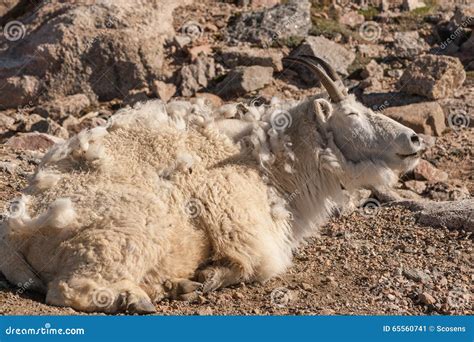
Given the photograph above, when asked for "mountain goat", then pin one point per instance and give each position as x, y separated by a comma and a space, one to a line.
161, 204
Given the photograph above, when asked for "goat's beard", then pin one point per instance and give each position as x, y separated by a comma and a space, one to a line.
368, 174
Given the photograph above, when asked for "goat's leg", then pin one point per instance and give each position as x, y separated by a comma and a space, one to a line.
183, 289
17, 270
82, 293
216, 277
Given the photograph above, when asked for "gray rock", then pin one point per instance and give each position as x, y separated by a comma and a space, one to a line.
468, 45
409, 44
416, 275
450, 214
258, 3
33, 141
335, 54
63, 107
416, 186
372, 69
8, 167
242, 80
163, 91
6, 123
292, 19
426, 298
102, 49
410, 5
182, 40
234, 56
449, 190
18, 91
351, 19
48, 126
434, 77
424, 117
463, 16
7, 5
196, 76
428, 172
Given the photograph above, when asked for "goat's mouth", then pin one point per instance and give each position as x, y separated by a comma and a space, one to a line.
411, 155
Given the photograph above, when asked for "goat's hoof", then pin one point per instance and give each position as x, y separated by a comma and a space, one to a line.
142, 307
211, 279
188, 286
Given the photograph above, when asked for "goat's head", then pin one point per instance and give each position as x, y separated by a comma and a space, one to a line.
361, 136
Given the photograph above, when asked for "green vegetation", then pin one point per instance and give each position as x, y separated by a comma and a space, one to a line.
414, 19
291, 42
369, 13
330, 28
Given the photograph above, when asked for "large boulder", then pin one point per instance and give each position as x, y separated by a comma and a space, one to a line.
449, 214
428, 172
434, 77
236, 55
33, 141
242, 80
290, 19
197, 75
409, 44
7, 5
424, 117
337, 55
103, 49
18, 91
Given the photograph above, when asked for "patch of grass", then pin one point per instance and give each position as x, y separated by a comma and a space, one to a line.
413, 20
470, 75
424, 11
329, 28
369, 13
291, 42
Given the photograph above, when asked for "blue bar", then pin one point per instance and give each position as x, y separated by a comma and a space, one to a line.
239, 328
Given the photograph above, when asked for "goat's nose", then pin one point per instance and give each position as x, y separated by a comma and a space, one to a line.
415, 140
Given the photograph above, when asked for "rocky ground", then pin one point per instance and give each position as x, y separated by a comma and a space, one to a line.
65, 67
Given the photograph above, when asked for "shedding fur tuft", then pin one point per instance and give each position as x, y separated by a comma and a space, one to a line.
60, 214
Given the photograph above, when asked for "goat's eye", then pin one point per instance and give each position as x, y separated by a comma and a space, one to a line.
352, 113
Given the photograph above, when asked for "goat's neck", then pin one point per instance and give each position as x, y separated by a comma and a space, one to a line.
311, 191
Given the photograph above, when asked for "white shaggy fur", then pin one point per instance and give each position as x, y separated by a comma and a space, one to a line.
166, 199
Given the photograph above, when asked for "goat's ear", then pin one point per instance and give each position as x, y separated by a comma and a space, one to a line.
322, 110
